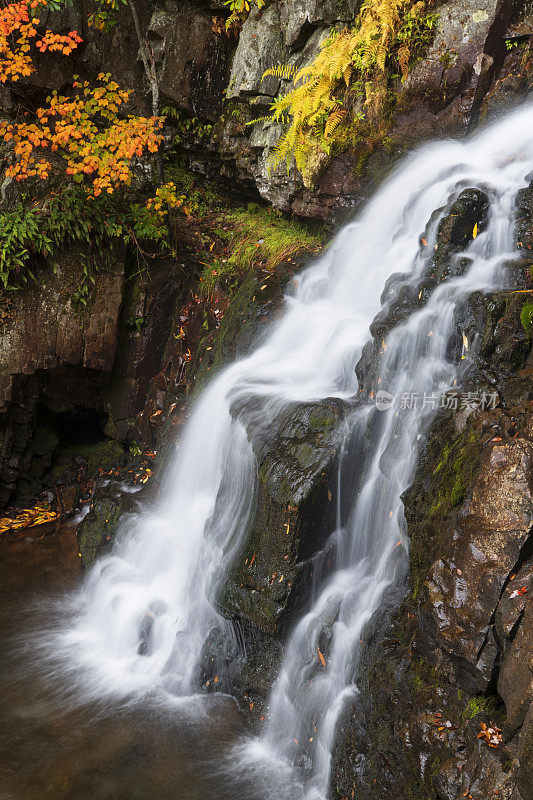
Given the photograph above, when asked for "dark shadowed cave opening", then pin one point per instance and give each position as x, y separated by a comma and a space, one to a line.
52, 435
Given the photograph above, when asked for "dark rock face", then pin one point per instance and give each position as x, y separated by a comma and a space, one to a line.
492, 527
442, 95
46, 332
54, 355
466, 218
192, 59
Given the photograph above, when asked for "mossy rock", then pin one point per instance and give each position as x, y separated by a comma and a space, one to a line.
295, 509
96, 531
250, 310
526, 317
103, 455
443, 476
466, 218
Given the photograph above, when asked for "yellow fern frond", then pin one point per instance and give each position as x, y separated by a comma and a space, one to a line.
320, 107
334, 120
285, 71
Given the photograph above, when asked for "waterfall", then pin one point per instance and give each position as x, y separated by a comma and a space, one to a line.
168, 561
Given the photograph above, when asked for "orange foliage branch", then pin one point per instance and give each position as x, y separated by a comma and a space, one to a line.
93, 143
86, 131
18, 27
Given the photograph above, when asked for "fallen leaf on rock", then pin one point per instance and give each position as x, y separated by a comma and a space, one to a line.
490, 734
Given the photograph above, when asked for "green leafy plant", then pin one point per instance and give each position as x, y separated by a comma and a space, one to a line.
136, 323
240, 9
187, 125
30, 232
83, 294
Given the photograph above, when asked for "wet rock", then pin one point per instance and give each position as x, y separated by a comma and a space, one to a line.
515, 681
490, 531
257, 302
260, 48
466, 218
245, 662
493, 327
512, 604
147, 318
525, 750
443, 90
146, 626
456, 653
441, 96
192, 58
294, 510
96, 531
298, 17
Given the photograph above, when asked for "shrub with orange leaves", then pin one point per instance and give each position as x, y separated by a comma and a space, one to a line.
95, 144
18, 27
83, 134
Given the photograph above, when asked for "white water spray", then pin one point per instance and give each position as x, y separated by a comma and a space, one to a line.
167, 564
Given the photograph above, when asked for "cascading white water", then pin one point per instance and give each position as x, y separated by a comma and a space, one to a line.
168, 561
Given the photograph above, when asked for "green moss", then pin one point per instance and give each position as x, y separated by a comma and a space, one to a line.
478, 705
101, 455
322, 420
526, 317
458, 492
457, 461
257, 237
97, 529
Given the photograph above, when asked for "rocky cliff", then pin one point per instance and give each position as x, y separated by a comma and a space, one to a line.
452, 650
212, 87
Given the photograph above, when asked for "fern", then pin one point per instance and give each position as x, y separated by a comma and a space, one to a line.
28, 233
333, 122
285, 71
341, 97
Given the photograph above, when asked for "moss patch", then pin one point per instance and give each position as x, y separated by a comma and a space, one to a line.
257, 237
439, 487
526, 317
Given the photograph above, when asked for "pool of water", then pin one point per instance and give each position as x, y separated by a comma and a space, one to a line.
53, 747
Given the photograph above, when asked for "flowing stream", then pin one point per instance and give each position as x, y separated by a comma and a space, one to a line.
171, 558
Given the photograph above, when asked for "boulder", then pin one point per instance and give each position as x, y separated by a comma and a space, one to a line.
295, 511
96, 531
